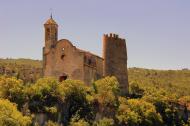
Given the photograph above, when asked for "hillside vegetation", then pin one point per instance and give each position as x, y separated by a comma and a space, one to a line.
156, 98
174, 81
22, 61
26, 69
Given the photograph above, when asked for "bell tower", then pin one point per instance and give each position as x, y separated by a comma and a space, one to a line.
51, 33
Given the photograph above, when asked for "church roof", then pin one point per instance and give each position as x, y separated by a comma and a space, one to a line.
87, 53
51, 21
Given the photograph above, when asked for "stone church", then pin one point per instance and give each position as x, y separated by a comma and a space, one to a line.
61, 59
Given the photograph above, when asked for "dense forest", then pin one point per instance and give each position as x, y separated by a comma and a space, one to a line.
156, 98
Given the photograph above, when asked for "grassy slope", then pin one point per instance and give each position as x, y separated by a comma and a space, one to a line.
26, 62
174, 81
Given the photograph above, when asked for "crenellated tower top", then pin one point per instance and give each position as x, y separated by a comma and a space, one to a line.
115, 59
112, 36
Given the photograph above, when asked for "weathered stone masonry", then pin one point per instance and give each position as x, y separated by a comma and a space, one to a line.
64, 61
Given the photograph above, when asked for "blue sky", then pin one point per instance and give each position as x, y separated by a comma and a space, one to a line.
157, 31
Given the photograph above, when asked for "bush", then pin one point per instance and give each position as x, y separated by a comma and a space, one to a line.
12, 89
138, 112
104, 122
10, 116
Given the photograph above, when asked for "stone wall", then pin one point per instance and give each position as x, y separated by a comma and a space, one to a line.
93, 66
66, 60
115, 60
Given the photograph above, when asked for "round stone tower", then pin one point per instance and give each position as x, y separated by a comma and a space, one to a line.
115, 60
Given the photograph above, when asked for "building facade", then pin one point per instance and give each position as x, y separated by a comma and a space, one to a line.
61, 59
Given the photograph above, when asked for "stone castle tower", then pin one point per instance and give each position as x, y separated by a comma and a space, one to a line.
115, 59
64, 61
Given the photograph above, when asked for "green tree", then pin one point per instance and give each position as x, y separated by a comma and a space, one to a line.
74, 95
12, 89
77, 121
106, 93
104, 122
50, 123
164, 103
138, 112
10, 116
125, 115
42, 97
136, 91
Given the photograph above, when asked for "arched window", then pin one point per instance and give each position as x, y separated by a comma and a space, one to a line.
55, 35
89, 61
48, 33
47, 30
62, 56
